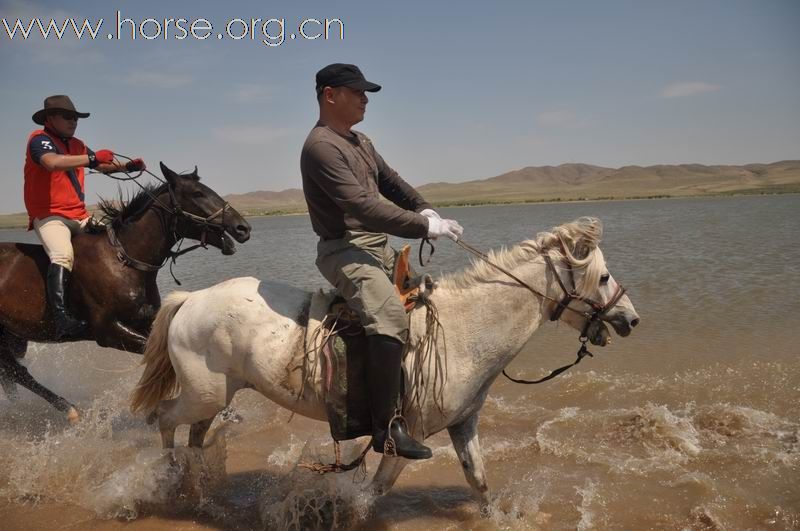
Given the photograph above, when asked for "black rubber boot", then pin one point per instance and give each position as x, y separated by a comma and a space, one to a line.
57, 284
383, 369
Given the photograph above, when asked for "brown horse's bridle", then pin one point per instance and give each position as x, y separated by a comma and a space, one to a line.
175, 212
206, 222
598, 311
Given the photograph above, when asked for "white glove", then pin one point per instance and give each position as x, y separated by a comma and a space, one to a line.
430, 213
444, 227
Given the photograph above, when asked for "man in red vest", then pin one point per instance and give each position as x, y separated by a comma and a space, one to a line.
54, 196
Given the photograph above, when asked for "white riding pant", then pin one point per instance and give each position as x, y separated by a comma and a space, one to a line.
55, 233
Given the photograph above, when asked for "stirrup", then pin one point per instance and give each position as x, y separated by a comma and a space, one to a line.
389, 446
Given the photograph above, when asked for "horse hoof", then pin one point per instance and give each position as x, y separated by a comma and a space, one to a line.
73, 416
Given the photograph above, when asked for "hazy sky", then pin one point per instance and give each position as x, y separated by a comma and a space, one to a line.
471, 89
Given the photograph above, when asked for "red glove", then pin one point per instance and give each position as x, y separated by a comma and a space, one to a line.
135, 165
104, 156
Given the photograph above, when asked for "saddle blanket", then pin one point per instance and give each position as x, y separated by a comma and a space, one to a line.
343, 356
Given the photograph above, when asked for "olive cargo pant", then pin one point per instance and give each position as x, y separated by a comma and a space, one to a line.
360, 266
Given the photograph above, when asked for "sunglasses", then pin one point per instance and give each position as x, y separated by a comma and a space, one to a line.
67, 115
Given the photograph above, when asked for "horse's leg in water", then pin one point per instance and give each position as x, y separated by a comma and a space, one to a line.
166, 425
202, 396
10, 369
9, 388
468, 448
14, 347
197, 433
390, 468
388, 471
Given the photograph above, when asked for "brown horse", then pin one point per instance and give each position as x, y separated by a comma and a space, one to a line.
113, 283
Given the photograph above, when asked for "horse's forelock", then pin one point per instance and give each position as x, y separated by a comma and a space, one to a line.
573, 241
577, 243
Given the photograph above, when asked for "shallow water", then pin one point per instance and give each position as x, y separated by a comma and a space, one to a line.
690, 423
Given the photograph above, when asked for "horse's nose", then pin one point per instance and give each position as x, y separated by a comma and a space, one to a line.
634, 322
242, 232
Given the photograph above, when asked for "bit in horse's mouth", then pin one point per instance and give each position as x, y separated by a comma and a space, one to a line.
599, 334
228, 246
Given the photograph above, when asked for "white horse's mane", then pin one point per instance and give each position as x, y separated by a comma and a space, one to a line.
575, 242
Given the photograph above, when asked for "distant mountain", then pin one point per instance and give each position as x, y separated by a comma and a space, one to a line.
576, 181
264, 202
567, 182
583, 181
571, 174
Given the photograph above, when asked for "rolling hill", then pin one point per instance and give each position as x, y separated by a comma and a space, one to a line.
567, 182
583, 181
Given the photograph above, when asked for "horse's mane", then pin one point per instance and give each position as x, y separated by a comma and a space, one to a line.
575, 242
121, 211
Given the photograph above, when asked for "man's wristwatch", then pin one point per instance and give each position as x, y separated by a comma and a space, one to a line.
92, 160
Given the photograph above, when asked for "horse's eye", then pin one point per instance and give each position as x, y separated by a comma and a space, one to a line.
198, 194
604, 278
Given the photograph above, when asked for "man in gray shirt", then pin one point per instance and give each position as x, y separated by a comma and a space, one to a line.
344, 178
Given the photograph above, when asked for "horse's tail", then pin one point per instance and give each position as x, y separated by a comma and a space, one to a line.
158, 380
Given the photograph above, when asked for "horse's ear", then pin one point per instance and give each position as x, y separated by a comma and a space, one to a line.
169, 175
194, 174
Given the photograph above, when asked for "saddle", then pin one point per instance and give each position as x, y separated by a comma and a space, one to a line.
336, 334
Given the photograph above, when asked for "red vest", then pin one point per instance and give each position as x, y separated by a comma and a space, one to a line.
52, 193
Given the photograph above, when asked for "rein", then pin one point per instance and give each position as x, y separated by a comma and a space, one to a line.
175, 212
127, 259
485, 258
598, 314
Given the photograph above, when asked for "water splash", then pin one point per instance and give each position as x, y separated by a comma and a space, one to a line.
55, 463
590, 498
109, 465
305, 500
180, 479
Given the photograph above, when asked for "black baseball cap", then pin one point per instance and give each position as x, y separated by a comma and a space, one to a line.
344, 75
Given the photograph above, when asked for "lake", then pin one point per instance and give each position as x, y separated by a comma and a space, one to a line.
691, 422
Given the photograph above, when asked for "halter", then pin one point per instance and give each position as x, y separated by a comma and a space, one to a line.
599, 311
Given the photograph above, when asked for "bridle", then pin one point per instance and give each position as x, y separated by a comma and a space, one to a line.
175, 213
175, 210
599, 312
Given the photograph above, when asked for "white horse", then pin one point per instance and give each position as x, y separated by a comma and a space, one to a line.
208, 344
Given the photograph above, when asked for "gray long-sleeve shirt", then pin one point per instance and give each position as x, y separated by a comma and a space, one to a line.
343, 179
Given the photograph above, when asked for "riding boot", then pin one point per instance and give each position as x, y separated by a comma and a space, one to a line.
57, 288
384, 374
